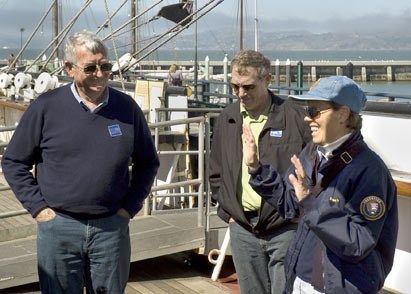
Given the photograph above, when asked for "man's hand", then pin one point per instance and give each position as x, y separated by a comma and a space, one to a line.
45, 215
124, 213
249, 147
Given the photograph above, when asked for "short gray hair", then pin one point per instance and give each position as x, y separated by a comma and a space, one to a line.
83, 38
251, 58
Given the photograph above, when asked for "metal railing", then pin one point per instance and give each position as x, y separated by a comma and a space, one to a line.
200, 182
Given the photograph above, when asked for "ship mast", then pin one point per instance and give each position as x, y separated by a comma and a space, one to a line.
56, 27
133, 25
241, 8
241, 25
255, 26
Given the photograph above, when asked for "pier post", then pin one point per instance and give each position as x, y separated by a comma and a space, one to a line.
363, 74
288, 75
225, 66
277, 72
299, 77
313, 74
338, 71
207, 68
390, 74
350, 70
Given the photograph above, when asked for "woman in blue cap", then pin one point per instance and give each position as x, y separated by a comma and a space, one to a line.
342, 192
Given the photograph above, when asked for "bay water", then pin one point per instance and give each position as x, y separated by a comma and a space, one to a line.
396, 87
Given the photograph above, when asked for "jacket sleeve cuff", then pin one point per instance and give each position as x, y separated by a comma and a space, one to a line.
255, 171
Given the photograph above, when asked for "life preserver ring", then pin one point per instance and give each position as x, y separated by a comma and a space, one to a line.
45, 82
5, 80
22, 80
123, 62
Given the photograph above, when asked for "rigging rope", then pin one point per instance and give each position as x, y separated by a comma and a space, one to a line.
114, 45
177, 29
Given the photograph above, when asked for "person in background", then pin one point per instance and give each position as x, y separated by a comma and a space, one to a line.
175, 77
341, 190
11, 61
259, 236
81, 139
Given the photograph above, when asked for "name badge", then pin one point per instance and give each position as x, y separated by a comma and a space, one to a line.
114, 130
276, 133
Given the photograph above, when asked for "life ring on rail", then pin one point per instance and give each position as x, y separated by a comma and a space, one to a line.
6, 80
122, 63
45, 82
22, 80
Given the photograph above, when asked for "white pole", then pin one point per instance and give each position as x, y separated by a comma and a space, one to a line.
225, 71
207, 68
221, 256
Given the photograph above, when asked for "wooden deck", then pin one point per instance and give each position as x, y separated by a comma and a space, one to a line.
151, 236
180, 273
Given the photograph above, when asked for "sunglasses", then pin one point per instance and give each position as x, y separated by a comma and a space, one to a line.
246, 88
90, 69
313, 112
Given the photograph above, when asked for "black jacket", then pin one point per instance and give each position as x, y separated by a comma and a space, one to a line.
226, 157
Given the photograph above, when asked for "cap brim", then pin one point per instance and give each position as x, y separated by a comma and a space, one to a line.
308, 97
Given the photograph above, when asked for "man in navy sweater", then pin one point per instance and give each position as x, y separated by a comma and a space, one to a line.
81, 139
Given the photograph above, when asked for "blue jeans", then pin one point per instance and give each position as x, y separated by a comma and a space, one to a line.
76, 253
259, 260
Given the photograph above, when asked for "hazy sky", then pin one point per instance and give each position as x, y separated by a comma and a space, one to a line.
319, 9
274, 15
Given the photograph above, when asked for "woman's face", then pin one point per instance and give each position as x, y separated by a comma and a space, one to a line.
328, 124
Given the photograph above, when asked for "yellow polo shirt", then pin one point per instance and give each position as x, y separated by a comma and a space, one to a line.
250, 200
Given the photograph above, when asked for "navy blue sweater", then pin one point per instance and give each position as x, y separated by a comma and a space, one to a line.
81, 157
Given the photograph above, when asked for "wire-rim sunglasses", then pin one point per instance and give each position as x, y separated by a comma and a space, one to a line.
90, 69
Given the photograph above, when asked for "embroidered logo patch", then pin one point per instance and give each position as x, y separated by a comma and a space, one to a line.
372, 208
276, 133
114, 130
334, 200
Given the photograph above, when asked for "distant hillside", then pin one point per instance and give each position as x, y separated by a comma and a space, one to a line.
300, 41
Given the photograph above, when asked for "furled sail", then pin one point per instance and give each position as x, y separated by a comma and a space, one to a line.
177, 12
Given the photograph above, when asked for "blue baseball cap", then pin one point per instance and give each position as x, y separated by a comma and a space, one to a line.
338, 89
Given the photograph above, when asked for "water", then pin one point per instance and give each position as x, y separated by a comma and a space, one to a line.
397, 87
282, 55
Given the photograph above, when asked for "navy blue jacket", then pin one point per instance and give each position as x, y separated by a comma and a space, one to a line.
353, 221
82, 158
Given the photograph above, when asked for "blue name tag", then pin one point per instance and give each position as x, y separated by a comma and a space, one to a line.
276, 133
114, 130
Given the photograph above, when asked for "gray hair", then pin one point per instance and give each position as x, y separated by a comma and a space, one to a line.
251, 58
83, 38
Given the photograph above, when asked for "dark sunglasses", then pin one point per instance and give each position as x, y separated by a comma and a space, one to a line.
246, 88
313, 111
90, 69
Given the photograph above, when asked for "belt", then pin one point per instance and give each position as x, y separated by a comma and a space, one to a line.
249, 214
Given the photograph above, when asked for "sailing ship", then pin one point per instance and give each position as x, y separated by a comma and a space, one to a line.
179, 214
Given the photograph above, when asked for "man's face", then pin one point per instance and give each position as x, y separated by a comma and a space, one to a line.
90, 84
251, 90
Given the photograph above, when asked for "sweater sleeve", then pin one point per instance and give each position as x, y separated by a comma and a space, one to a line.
20, 156
145, 163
